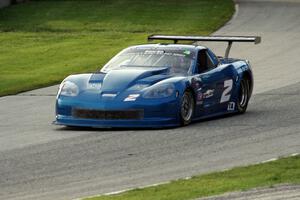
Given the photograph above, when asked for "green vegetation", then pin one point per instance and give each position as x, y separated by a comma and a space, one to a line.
285, 170
43, 41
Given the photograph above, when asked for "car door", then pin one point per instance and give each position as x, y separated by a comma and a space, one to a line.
216, 85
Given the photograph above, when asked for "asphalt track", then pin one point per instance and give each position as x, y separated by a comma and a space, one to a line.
42, 161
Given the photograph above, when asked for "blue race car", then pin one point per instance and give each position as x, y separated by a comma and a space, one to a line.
158, 85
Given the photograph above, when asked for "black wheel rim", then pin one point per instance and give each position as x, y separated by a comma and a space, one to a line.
187, 107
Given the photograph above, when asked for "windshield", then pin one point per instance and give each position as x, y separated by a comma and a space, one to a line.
178, 61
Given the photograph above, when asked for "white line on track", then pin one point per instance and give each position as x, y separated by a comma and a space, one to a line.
236, 6
269, 160
166, 182
129, 189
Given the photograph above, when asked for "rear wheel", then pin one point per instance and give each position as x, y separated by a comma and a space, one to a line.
243, 96
187, 108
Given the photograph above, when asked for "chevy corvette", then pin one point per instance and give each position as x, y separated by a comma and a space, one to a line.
158, 85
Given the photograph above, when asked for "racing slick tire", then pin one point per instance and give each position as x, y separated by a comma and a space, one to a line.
243, 96
187, 108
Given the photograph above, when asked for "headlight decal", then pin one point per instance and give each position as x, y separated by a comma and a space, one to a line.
139, 86
69, 89
160, 91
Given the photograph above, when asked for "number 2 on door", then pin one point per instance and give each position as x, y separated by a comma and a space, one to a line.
227, 91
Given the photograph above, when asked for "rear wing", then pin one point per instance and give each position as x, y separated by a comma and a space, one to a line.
229, 39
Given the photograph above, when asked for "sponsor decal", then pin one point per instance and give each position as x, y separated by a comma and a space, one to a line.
231, 106
208, 94
206, 105
196, 83
187, 52
178, 55
153, 52
132, 97
199, 98
109, 95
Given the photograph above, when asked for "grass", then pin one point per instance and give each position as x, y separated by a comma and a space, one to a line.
284, 170
43, 41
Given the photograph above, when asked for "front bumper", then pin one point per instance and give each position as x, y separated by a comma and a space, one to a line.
145, 123
154, 113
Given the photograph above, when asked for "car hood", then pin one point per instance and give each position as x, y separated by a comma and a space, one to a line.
121, 79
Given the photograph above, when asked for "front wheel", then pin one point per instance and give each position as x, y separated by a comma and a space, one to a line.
187, 108
243, 96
